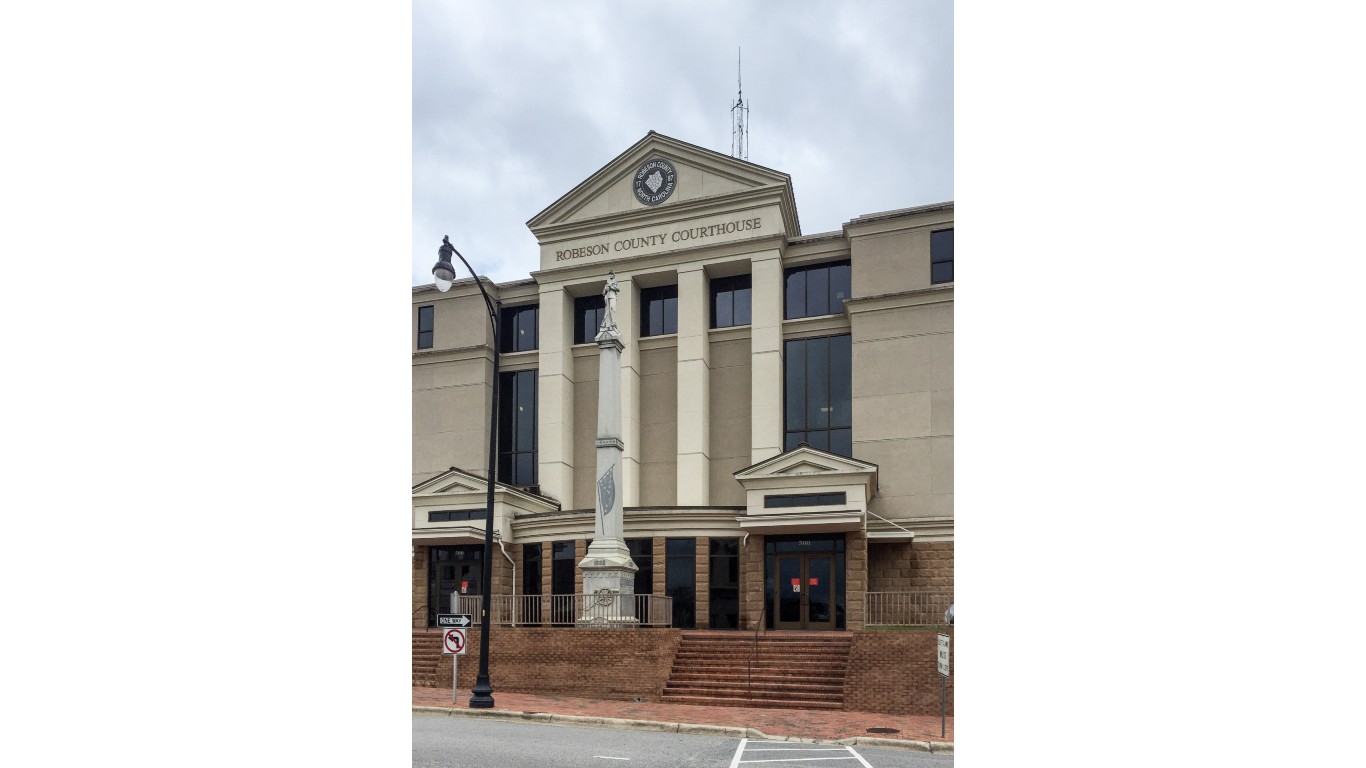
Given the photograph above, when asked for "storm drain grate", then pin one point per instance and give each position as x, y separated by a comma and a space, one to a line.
883, 730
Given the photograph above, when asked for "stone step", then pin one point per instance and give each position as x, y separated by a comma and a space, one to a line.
731, 701
740, 677
831, 691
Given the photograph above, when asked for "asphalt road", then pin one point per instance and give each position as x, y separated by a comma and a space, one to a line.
440, 741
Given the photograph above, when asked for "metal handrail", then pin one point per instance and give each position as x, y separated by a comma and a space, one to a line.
913, 608
754, 650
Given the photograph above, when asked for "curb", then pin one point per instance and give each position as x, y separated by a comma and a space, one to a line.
936, 747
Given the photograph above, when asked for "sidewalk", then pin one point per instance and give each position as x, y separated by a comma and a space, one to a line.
917, 732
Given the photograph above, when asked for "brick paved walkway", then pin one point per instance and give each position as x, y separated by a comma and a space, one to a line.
802, 723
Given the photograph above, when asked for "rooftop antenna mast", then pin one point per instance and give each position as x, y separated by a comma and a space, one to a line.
739, 118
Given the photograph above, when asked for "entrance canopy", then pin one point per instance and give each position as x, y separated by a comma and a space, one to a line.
807, 491
449, 509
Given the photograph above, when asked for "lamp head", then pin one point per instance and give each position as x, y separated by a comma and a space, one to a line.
443, 274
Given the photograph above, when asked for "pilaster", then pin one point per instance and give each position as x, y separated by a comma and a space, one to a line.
555, 409
694, 380
628, 325
766, 364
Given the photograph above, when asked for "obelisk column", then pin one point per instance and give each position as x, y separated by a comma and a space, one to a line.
608, 571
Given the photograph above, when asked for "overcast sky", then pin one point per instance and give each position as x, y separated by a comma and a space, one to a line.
514, 103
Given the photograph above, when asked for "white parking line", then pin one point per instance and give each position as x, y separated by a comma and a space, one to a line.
744, 743
605, 757
739, 750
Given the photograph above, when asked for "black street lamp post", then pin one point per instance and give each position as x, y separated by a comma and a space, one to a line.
444, 275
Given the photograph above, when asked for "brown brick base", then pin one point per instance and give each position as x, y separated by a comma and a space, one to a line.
894, 671
616, 664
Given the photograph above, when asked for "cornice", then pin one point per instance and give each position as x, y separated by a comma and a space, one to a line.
628, 265
457, 354
937, 294
729, 204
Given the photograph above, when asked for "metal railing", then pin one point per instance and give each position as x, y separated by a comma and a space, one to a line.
906, 609
618, 610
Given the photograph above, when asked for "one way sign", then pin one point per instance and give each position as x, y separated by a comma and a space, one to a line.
453, 620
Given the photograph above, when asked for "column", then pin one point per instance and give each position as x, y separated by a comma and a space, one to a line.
555, 396
694, 380
766, 361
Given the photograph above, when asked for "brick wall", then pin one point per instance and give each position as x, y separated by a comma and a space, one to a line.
894, 672
615, 664
419, 587
906, 567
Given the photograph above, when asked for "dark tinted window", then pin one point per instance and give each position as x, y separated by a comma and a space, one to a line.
659, 310
562, 560
643, 555
517, 428
941, 256
817, 290
531, 569
803, 500
424, 327
587, 318
724, 590
455, 515
730, 301
817, 394
680, 580
518, 331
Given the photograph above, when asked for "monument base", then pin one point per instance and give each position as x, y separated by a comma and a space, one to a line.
609, 580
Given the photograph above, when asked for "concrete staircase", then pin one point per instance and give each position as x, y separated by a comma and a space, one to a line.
426, 655
793, 670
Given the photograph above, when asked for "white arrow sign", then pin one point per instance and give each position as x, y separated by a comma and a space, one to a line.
454, 620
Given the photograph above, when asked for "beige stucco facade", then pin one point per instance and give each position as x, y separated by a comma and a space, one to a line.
703, 409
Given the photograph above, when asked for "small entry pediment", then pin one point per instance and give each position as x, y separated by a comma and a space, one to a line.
805, 460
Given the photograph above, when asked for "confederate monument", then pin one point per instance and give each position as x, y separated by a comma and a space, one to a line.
608, 572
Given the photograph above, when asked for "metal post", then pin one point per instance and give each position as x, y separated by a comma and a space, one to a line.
482, 691
943, 685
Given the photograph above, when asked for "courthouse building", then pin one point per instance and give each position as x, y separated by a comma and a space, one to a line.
787, 403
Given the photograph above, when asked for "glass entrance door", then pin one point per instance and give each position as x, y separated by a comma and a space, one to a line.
804, 596
453, 569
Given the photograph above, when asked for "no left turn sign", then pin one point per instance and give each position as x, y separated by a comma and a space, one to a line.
453, 641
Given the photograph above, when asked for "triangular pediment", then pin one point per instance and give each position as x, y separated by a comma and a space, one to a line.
805, 460
458, 483
452, 481
702, 176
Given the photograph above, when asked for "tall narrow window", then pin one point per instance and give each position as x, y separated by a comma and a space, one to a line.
817, 394
531, 583
680, 580
817, 290
517, 428
424, 327
643, 555
724, 591
517, 332
730, 301
659, 310
941, 256
587, 318
562, 583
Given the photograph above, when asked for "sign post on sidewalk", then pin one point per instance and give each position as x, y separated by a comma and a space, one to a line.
943, 664
453, 628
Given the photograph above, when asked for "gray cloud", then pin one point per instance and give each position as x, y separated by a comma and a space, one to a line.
514, 103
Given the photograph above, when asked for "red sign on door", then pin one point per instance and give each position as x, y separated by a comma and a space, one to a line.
813, 582
464, 587
796, 585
